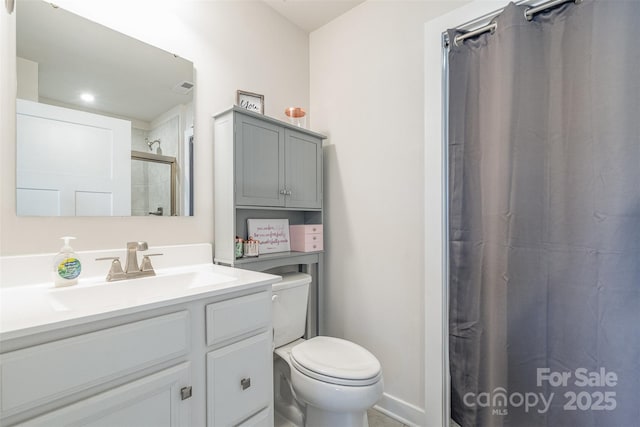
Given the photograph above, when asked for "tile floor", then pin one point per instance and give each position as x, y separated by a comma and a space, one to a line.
378, 419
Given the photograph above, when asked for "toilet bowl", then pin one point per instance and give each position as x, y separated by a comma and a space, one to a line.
323, 381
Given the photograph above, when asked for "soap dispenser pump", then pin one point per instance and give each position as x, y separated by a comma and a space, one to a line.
66, 265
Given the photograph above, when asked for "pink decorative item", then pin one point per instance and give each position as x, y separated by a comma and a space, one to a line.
306, 238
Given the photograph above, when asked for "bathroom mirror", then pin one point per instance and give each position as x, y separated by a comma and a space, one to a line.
104, 121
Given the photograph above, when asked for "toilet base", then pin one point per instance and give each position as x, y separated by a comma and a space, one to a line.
286, 407
316, 417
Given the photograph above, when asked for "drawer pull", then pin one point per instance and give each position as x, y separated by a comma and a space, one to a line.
245, 383
185, 392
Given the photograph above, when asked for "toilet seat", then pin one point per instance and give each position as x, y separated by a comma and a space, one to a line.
336, 361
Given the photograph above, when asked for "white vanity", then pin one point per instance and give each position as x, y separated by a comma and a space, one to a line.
191, 346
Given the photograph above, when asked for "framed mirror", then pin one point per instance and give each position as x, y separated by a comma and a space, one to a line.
99, 115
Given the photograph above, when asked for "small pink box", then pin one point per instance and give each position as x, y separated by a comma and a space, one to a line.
306, 238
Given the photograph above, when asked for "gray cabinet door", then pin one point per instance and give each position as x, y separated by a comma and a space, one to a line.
259, 163
303, 170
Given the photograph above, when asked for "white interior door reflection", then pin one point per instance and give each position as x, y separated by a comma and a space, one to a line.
71, 163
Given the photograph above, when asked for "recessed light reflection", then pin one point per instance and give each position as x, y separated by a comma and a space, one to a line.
87, 97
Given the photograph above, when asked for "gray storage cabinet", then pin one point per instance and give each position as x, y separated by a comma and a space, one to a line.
276, 166
266, 168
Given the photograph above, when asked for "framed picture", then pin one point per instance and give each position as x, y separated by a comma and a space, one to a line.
272, 234
250, 101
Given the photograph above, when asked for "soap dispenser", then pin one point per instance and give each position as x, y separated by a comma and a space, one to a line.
66, 265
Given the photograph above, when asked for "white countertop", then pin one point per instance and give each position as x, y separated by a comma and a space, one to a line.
37, 308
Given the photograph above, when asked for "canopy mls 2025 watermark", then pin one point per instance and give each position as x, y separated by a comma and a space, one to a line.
590, 392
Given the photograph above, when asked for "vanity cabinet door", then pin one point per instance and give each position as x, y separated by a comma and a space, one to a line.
259, 163
41, 374
303, 170
153, 401
239, 381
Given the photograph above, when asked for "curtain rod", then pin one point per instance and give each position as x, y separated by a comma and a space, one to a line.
529, 13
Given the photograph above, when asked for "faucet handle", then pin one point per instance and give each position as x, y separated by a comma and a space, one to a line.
115, 271
146, 263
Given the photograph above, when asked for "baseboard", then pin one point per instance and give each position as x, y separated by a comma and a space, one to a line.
401, 411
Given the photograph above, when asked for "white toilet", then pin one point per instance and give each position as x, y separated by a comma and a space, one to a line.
323, 381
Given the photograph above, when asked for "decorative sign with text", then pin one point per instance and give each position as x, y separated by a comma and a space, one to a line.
273, 234
250, 101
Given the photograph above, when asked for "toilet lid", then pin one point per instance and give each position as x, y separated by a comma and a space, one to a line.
336, 361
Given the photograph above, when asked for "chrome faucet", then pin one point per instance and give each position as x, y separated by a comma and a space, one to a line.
131, 269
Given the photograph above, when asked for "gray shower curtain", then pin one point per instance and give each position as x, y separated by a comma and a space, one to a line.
544, 219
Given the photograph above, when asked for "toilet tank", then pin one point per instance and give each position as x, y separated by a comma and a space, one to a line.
290, 307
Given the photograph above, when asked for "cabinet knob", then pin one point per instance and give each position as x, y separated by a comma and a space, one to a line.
283, 192
245, 383
185, 392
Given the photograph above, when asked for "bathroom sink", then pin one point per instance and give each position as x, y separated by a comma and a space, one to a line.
134, 291
30, 304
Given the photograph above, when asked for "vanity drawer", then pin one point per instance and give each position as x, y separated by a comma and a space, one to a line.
46, 372
306, 238
239, 381
238, 316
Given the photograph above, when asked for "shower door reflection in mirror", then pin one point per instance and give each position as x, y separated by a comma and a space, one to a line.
153, 183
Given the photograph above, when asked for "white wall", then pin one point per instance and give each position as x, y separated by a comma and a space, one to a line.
27, 79
367, 95
234, 45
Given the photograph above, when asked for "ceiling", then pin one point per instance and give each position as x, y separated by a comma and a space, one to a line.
69, 64
312, 14
129, 78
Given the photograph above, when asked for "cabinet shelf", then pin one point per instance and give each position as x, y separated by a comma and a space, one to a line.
280, 259
274, 208
271, 120
277, 255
